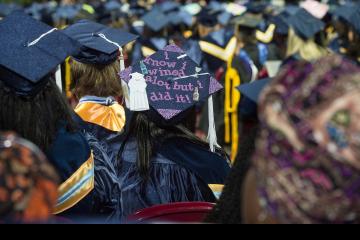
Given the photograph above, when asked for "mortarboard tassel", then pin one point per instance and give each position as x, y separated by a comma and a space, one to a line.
58, 78
125, 88
212, 137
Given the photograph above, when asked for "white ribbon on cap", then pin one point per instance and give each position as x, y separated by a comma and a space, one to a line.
212, 136
124, 85
58, 78
39, 38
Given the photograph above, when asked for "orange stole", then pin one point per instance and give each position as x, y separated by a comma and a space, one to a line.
109, 117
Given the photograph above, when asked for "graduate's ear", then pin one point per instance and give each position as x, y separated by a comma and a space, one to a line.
351, 36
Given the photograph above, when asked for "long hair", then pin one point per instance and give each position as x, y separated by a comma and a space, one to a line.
353, 51
309, 50
150, 135
228, 209
37, 118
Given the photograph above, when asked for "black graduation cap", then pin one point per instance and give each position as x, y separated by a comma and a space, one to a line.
29, 52
156, 20
169, 6
291, 9
181, 17
249, 20
224, 18
67, 12
216, 6
112, 5
253, 90
35, 10
168, 83
99, 42
208, 17
305, 24
256, 7
345, 12
281, 23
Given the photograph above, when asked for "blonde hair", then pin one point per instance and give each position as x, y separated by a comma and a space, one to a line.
308, 49
96, 80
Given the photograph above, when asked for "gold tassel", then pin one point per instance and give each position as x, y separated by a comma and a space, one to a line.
68, 78
232, 99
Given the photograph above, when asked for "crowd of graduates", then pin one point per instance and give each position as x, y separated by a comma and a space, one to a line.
112, 107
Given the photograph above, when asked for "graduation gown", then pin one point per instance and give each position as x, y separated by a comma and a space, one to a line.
72, 158
179, 172
104, 119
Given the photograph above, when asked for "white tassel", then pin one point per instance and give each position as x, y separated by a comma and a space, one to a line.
212, 138
138, 97
124, 85
58, 79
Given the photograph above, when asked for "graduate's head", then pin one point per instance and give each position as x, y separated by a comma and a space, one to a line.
245, 28
163, 89
96, 66
306, 164
28, 182
353, 35
32, 104
156, 23
95, 80
306, 36
207, 22
37, 117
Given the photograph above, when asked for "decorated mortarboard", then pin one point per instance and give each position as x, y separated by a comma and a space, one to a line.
305, 24
100, 44
30, 51
156, 20
254, 89
167, 84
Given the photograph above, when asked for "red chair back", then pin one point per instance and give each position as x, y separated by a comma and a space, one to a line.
187, 212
